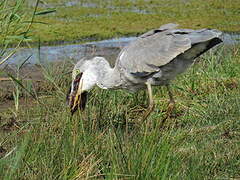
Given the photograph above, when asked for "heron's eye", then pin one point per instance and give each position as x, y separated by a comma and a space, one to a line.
77, 71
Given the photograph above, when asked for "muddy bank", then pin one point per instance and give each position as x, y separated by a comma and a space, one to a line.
31, 76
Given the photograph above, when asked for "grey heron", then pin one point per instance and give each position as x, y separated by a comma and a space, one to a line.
153, 59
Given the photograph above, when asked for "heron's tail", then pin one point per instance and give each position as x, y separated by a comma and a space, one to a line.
202, 41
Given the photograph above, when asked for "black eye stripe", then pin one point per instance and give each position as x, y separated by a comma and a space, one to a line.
70, 97
78, 77
76, 81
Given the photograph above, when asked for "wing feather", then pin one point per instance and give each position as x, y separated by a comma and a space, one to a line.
160, 46
149, 53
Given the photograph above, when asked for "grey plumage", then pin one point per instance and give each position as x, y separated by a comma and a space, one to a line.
160, 54
158, 47
154, 58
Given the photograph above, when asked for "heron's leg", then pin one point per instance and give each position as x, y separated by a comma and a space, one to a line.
151, 102
171, 104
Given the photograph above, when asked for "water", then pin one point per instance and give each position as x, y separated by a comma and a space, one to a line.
107, 48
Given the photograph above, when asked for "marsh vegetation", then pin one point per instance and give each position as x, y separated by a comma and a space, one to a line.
40, 140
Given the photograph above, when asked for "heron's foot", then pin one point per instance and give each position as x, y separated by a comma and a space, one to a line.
169, 113
171, 104
170, 109
148, 112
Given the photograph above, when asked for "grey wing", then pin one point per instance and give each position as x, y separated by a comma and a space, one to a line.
158, 47
151, 50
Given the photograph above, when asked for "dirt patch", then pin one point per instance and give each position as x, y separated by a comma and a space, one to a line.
24, 102
30, 76
10, 125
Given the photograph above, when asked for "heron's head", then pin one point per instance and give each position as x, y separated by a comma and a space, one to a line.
83, 80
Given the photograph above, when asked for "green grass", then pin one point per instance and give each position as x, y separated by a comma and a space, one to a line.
201, 140
117, 18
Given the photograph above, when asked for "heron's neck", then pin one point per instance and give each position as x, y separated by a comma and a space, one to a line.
109, 78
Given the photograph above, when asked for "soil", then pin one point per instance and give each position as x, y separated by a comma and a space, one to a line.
30, 74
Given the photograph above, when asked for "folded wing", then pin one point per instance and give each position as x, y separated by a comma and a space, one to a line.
160, 46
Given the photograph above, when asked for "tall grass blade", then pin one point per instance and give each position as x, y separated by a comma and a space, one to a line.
18, 82
25, 61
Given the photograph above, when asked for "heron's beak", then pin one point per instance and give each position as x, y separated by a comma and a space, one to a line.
75, 97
